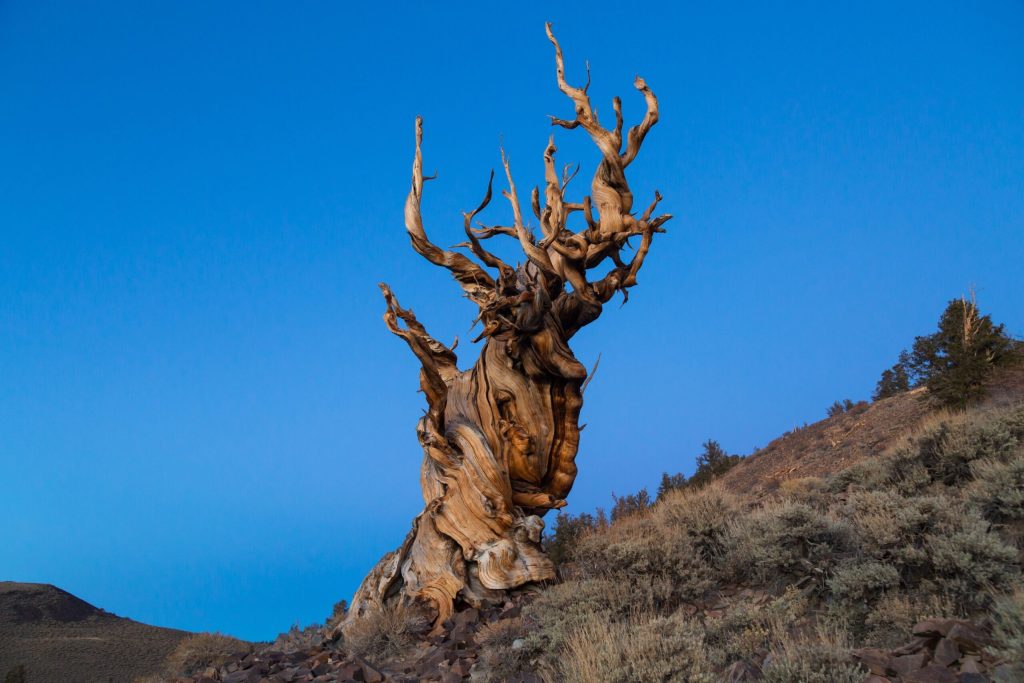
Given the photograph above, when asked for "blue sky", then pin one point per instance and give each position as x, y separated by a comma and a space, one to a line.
203, 421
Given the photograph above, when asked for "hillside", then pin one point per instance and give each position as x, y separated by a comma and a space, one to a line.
867, 430
881, 545
59, 638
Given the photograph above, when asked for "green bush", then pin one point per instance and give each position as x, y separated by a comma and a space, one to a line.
786, 540
662, 566
1008, 630
998, 488
862, 581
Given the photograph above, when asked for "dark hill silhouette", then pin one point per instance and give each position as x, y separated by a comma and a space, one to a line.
58, 637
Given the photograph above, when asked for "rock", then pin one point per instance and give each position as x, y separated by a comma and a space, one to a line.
905, 664
915, 645
946, 652
741, 672
877, 661
969, 665
973, 678
371, 675
518, 644
933, 627
933, 673
970, 638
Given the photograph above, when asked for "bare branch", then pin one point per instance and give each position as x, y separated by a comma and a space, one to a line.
638, 132
475, 281
536, 255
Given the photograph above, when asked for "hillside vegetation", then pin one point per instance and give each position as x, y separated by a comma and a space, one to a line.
789, 587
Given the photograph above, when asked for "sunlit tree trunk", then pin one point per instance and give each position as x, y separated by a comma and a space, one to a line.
500, 439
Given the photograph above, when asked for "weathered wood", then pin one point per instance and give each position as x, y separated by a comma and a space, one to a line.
500, 439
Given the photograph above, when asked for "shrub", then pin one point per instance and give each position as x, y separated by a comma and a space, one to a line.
822, 658
16, 675
197, 652
968, 560
661, 565
894, 381
746, 629
785, 540
956, 361
889, 621
811, 491
381, 634
998, 489
497, 654
561, 608
702, 515
1008, 630
650, 648
630, 504
561, 543
863, 581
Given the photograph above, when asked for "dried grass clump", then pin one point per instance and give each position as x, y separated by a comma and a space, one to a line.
646, 648
382, 634
703, 515
502, 657
746, 630
661, 564
822, 657
560, 609
197, 652
893, 615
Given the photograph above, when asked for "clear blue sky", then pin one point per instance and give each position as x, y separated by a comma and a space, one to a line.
203, 421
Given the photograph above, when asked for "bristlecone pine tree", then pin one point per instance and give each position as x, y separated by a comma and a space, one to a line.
500, 439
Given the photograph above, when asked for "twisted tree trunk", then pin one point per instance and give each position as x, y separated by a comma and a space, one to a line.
500, 439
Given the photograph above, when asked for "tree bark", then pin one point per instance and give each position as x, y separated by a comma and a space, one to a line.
500, 439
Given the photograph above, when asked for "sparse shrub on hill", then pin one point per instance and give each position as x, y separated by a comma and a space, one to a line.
568, 529
670, 482
712, 463
630, 504
955, 361
895, 380
928, 529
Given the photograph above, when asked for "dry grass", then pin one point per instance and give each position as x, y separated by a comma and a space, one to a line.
381, 634
644, 648
201, 650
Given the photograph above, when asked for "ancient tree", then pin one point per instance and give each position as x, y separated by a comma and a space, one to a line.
500, 439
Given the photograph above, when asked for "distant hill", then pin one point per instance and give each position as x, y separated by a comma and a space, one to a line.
59, 638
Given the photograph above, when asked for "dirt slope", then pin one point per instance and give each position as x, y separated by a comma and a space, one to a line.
835, 443
60, 638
